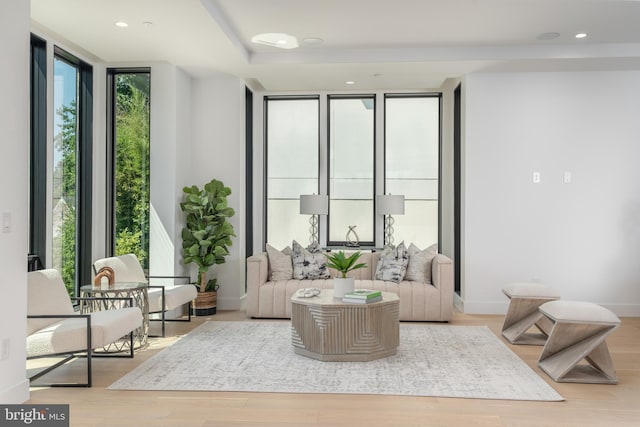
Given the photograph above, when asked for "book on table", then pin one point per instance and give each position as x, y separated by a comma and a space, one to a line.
361, 300
362, 295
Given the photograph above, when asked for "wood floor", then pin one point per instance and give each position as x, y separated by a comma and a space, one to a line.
585, 404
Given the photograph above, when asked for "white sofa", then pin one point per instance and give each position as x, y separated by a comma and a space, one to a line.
418, 301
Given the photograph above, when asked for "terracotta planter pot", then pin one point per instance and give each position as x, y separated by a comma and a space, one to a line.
205, 303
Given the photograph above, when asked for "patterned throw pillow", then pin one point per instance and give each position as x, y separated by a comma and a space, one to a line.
419, 268
392, 264
307, 265
280, 265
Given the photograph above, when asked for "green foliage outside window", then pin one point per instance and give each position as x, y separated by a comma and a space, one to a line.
132, 166
132, 175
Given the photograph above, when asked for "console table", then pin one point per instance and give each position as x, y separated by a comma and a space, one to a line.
327, 329
135, 290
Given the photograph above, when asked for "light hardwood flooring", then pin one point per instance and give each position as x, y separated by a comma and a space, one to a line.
585, 404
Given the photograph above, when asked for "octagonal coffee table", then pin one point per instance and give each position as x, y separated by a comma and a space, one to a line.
327, 329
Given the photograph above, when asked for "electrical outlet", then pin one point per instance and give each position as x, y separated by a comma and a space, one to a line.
566, 178
536, 177
4, 349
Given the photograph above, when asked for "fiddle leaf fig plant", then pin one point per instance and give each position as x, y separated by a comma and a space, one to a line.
207, 233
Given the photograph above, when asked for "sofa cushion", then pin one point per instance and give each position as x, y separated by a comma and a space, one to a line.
307, 265
419, 266
392, 265
280, 264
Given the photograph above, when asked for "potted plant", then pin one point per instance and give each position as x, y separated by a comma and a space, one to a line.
343, 264
206, 237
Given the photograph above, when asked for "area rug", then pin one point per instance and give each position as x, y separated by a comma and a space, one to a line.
257, 356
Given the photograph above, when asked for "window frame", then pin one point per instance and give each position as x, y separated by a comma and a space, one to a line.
330, 97
38, 155
110, 161
84, 162
437, 95
265, 159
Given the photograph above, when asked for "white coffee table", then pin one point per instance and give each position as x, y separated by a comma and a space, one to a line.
327, 329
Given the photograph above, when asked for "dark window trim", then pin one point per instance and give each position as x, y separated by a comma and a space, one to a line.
38, 154
328, 124
84, 165
110, 193
265, 115
248, 136
457, 187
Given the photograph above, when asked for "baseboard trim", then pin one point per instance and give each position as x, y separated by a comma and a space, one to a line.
494, 307
235, 303
16, 394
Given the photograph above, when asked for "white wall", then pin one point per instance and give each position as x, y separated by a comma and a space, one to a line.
168, 139
218, 151
581, 238
14, 190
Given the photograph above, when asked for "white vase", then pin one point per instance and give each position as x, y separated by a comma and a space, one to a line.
342, 285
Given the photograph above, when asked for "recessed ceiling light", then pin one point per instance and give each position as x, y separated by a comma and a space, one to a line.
581, 35
312, 40
349, 82
281, 40
121, 24
548, 36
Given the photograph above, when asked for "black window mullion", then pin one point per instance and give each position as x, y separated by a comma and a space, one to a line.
38, 155
85, 174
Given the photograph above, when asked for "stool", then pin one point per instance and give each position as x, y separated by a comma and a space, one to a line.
525, 298
579, 332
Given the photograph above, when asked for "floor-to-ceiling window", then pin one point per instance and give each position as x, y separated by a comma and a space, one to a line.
354, 166
412, 164
292, 165
70, 202
128, 162
351, 168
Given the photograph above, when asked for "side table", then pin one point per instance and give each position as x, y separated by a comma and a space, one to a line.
135, 290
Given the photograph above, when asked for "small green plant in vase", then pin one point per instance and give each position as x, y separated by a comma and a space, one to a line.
343, 264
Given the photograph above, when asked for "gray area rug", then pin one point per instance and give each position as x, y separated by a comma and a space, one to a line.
432, 360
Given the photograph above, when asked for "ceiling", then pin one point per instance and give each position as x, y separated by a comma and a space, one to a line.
399, 44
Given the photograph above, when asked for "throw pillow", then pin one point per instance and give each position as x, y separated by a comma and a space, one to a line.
392, 264
280, 265
419, 268
307, 265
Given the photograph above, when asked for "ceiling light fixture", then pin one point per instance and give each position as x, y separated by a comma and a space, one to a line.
349, 82
280, 40
581, 35
121, 24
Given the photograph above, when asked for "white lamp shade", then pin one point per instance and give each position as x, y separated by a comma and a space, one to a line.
390, 204
314, 204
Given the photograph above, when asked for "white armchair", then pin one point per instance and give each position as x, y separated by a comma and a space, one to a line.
55, 329
162, 298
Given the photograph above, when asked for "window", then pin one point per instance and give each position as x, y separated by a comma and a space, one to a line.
412, 147
351, 168
349, 165
71, 168
128, 163
292, 169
